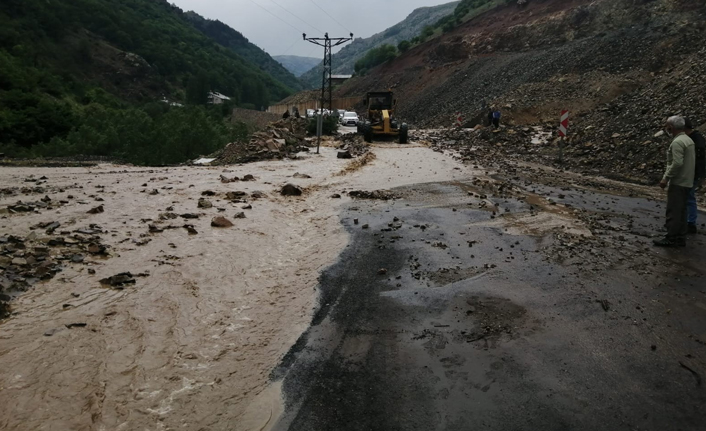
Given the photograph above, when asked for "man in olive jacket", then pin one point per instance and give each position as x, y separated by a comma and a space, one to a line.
679, 177
699, 173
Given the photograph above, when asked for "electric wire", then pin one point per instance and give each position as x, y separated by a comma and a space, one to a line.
295, 16
290, 47
261, 7
334, 19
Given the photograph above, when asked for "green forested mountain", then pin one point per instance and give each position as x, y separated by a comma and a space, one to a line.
234, 40
68, 67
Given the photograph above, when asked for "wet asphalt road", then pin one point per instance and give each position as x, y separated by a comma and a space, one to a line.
471, 328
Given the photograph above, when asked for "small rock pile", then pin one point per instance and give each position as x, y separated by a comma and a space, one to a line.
26, 261
354, 144
280, 139
383, 195
620, 156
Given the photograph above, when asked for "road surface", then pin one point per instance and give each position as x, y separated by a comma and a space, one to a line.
493, 303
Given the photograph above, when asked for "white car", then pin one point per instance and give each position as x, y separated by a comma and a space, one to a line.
349, 119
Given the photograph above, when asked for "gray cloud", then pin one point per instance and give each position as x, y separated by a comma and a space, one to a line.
254, 18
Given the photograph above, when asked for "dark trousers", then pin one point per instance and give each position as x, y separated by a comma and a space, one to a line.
677, 198
496, 122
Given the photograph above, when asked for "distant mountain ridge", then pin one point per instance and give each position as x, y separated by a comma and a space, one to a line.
344, 60
234, 40
297, 65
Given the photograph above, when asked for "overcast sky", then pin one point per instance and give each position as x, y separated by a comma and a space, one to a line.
273, 24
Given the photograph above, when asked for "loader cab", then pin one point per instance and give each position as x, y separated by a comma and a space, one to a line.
380, 101
381, 117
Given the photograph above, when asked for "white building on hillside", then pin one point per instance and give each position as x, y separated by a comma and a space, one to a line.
215, 98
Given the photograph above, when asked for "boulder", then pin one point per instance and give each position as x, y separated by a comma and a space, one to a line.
221, 222
291, 190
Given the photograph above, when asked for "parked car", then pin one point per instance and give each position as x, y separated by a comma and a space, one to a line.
310, 113
341, 112
349, 118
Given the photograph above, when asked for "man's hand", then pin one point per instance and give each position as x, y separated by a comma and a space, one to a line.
663, 183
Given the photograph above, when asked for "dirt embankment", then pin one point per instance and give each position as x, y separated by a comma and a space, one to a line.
610, 63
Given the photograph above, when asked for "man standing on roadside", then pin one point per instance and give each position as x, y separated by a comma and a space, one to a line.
496, 118
699, 173
679, 178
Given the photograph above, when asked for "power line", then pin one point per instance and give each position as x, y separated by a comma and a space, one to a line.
295, 16
261, 7
334, 19
292, 46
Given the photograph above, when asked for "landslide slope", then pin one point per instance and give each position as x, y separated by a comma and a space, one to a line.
619, 66
344, 60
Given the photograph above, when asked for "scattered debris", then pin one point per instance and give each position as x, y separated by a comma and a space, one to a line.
376, 194
281, 139
604, 303
119, 281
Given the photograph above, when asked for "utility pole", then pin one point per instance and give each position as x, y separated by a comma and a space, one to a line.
326, 83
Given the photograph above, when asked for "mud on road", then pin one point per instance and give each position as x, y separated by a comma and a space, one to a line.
517, 298
501, 304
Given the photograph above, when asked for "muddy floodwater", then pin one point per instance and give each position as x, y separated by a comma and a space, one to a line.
445, 296
192, 344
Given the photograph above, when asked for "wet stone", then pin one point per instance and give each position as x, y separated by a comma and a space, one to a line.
119, 281
291, 190
97, 210
222, 222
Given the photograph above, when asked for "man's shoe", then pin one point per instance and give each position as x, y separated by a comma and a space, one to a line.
667, 242
692, 229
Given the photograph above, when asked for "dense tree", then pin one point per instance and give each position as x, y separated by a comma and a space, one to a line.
74, 73
404, 46
375, 57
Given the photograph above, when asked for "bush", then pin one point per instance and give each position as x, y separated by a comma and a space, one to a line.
329, 127
427, 32
375, 57
404, 46
154, 135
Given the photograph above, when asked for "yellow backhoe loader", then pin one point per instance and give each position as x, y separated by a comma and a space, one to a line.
381, 119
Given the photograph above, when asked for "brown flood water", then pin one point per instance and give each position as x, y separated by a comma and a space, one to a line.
192, 345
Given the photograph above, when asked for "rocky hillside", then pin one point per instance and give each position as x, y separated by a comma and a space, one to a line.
620, 66
344, 60
297, 65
